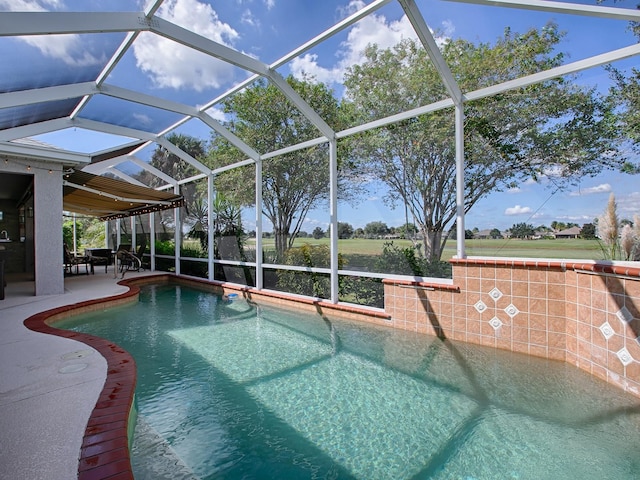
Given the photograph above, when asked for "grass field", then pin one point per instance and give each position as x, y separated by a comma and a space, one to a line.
565, 248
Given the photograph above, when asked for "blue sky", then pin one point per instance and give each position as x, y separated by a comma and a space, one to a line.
268, 29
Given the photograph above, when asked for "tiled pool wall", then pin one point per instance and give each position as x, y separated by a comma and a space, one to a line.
586, 314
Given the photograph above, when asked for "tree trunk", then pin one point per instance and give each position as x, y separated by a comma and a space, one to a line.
432, 240
281, 240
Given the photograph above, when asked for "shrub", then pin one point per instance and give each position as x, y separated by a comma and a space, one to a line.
312, 284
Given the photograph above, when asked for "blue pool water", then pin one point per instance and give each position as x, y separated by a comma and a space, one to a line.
231, 390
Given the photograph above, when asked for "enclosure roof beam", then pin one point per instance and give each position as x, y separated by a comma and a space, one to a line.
560, 71
58, 23
46, 94
34, 129
426, 38
224, 53
162, 141
209, 47
559, 7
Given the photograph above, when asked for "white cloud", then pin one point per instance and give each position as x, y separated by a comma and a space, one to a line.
217, 114
68, 48
269, 4
514, 190
143, 118
249, 19
517, 210
28, 5
628, 205
371, 29
172, 65
602, 188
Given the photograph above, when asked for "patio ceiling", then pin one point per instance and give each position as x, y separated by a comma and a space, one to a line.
41, 93
109, 198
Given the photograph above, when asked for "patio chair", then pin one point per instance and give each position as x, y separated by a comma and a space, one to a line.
122, 255
129, 260
71, 261
100, 256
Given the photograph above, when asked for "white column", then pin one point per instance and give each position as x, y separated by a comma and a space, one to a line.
210, 233
177, 234
134, 237
259, 269
152, 239
333, 209
459, 124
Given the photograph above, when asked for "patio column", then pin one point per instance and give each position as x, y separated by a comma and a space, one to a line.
333, 216
47, 243
259, 270
152, 239
459, 123
177, 234
210, 233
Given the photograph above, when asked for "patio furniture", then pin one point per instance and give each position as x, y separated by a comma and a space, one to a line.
99, 256
71, 261
128, 259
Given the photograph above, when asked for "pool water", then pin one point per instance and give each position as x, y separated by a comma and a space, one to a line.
233, 390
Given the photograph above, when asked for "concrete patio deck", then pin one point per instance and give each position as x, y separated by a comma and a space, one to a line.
48, 385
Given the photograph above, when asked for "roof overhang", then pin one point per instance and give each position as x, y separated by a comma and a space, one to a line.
108, 198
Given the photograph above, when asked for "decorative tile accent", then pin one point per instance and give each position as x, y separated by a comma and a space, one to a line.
512, 310
495, 323
495, 294
624, 315
606, 330
480, 306
624, 356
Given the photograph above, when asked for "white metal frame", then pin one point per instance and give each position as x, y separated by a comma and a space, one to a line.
133, 23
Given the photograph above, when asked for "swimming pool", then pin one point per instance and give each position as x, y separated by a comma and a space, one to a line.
229, 390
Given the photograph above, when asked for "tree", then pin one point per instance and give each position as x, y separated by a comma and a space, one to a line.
293, 183
522, 230
376, 229
495, 233
510, 137
169, 163
588, 231
317, 233
626, 95
345, 230
408, 230
468, 234
67, 232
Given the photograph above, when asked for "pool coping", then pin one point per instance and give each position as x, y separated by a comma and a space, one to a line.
104, 452
105, 445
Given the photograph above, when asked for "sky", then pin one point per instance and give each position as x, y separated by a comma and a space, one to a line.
269, 29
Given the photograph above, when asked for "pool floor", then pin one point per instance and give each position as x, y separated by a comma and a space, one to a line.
233, 390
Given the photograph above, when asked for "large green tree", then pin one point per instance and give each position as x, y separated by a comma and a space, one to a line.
517, 134
293, 183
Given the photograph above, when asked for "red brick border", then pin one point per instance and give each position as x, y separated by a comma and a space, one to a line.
105, 446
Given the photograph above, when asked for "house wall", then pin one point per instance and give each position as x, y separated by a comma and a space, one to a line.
586, 314
47, 230
43, 232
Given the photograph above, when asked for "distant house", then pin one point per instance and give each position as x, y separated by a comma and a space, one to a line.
573, 232
482, 234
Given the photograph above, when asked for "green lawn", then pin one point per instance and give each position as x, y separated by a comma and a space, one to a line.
565, 248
